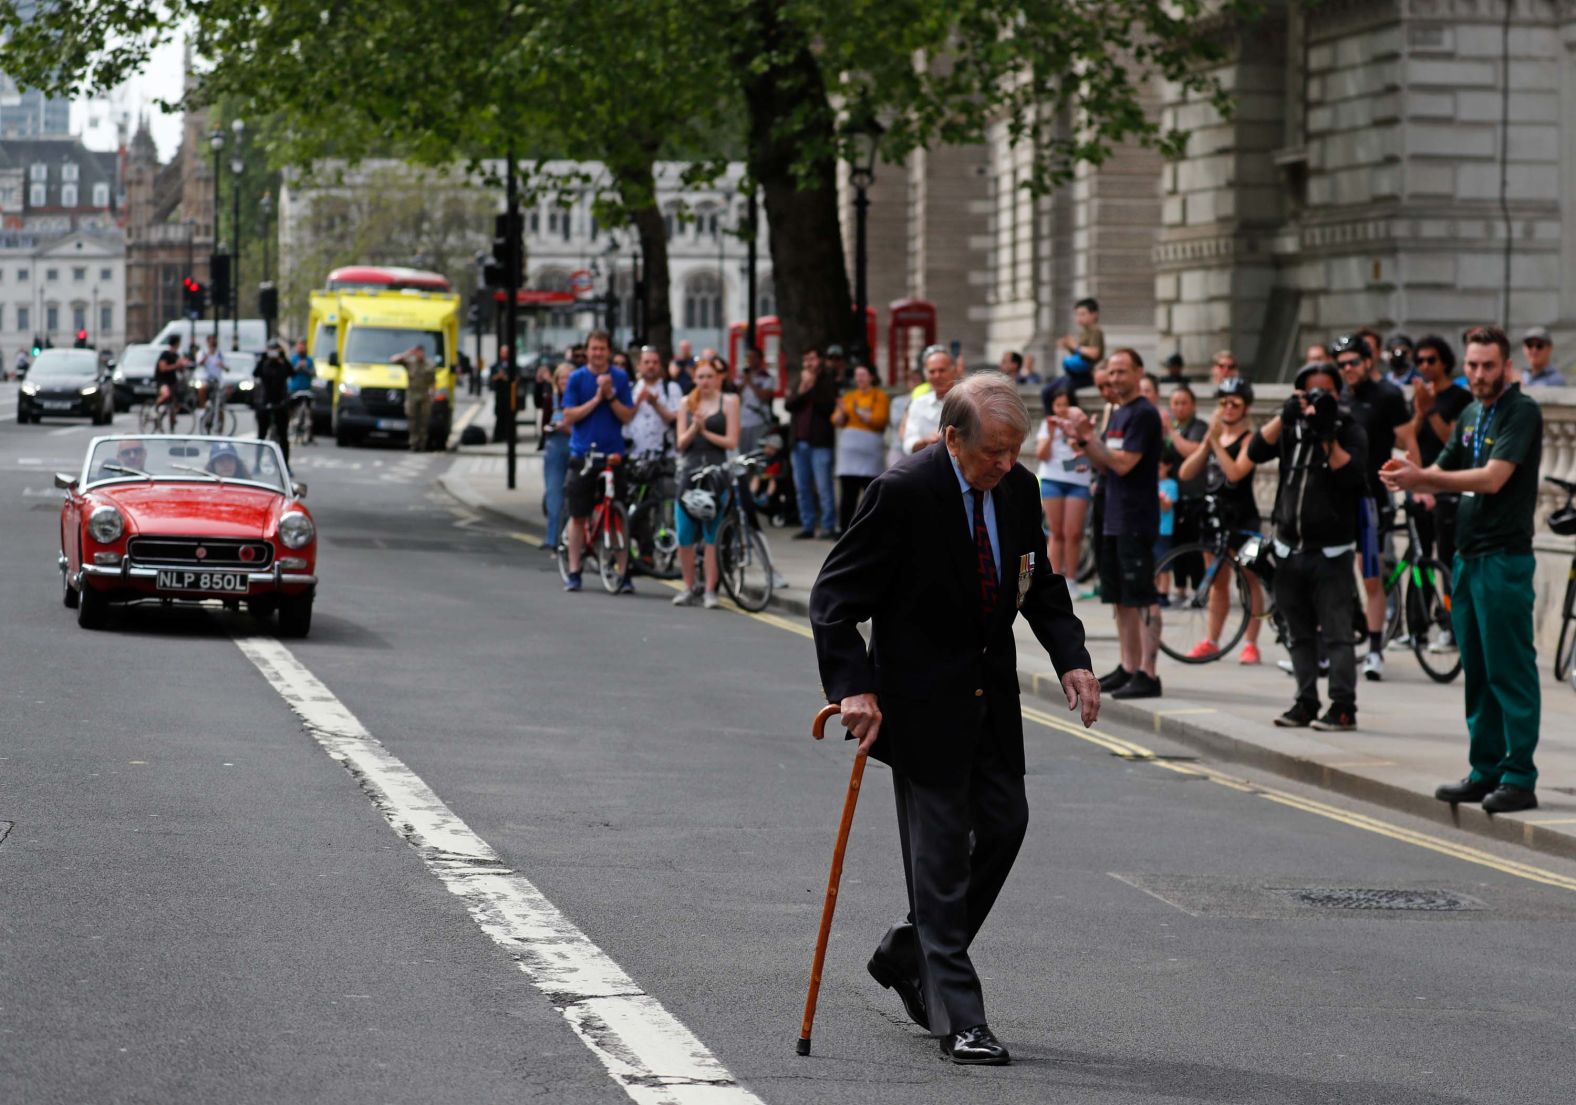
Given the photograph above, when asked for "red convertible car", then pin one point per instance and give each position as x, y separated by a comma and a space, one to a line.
155, 518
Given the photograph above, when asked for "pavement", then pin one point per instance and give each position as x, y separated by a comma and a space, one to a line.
226, 883
1411, 734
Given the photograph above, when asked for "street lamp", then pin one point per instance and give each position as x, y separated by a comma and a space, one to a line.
215, 143
265, 204
867, 139
237, 167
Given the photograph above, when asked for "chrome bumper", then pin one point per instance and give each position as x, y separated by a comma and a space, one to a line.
273, 579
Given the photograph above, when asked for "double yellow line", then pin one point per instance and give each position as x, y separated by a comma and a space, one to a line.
1130, 751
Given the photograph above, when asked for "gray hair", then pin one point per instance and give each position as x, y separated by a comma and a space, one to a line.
985, 397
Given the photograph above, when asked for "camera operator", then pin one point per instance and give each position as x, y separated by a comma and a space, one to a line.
1323, 463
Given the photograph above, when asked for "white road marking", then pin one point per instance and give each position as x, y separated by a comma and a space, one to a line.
62, 431
646, 1050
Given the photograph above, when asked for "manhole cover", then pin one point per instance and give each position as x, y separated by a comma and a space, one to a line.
1431, 901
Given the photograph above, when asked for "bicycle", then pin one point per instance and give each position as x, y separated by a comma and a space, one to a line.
213, 416
742, 557
607, 529
653, 532
155, 414
1186, 621
1563, 523
1424, 606
301, 430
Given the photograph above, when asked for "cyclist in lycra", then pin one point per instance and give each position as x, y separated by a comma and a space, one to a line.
597, 403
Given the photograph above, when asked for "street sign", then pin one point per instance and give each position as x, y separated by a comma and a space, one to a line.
580, 282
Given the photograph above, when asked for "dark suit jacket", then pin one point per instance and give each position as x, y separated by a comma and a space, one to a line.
907, 563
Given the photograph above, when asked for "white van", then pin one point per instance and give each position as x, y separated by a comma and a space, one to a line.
253, 333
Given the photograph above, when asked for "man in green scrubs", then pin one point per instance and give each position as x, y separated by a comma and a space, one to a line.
1491, 461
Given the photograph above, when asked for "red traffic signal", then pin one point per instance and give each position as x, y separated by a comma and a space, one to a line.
82, 339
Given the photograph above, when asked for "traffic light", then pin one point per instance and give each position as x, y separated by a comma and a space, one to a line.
506, 266
38, 345
219, 277
268, 300
195, 296
82, 340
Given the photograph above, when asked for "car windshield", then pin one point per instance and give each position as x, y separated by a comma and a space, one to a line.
63, 366
376, 344
186, 459
139, 358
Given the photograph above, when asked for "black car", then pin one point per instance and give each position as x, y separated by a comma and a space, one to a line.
134, 376
67, 383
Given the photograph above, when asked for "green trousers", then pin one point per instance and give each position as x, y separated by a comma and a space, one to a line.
1491, 615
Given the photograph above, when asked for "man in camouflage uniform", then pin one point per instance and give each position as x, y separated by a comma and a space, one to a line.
418, 394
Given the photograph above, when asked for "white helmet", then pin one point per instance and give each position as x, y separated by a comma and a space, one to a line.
699, 503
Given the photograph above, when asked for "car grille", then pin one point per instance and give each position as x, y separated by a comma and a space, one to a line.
384, 402
201, 552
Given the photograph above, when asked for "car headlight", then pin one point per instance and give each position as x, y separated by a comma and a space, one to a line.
349, 390
29, 389
296, 530
90, 391
119, 377
105, 525
247, 385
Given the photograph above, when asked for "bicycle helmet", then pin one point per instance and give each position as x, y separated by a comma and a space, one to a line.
699, 503
1563, 521
1307, 371
1349, 343
1235, 386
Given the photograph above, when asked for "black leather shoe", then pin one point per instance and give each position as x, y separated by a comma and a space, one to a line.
1111, 680
892, 978
1467, 790
975, 1047
1509, 799
1138, 685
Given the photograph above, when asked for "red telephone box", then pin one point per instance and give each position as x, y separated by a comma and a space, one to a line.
769, 339
736, 335
908, 315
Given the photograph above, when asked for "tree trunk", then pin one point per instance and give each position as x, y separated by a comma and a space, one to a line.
637, 186
808, 274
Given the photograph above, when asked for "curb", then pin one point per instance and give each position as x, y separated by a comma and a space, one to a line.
1047, 688
1232, 749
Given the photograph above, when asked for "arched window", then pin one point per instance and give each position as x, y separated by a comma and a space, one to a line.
703, 301
670, 222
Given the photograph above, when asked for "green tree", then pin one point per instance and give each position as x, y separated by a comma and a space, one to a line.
627, 81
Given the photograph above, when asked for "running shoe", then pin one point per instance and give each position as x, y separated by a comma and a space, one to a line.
573, 582
1204, 650
710, 600
1373, 667
1250, 654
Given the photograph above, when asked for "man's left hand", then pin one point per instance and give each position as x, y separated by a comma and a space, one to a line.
1083, 694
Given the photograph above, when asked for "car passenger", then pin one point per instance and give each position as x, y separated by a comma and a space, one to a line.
225, 462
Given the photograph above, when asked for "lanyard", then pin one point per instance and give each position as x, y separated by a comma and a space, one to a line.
1480, 431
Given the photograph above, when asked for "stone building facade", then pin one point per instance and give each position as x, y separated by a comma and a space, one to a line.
1393, 163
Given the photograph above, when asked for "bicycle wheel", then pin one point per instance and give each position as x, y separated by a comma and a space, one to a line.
147, 418
1565, 650
1084, 572
1184, 624
1428, 620
745, 567
1394, 575
612, 541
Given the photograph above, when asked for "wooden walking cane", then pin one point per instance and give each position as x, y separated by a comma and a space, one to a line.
818, 730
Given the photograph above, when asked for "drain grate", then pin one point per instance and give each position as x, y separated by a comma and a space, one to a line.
1428, 901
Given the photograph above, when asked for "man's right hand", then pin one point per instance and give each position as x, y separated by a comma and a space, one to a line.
862, 718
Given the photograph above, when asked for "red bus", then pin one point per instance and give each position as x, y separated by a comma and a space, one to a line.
377, 278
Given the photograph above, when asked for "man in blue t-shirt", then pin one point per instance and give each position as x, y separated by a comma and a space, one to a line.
597, 402
1128, 457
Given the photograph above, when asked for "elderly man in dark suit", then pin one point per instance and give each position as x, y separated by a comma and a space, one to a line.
944, 553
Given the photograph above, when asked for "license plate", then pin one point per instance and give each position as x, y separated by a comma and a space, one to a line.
57, 404
224, 583
392, 424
